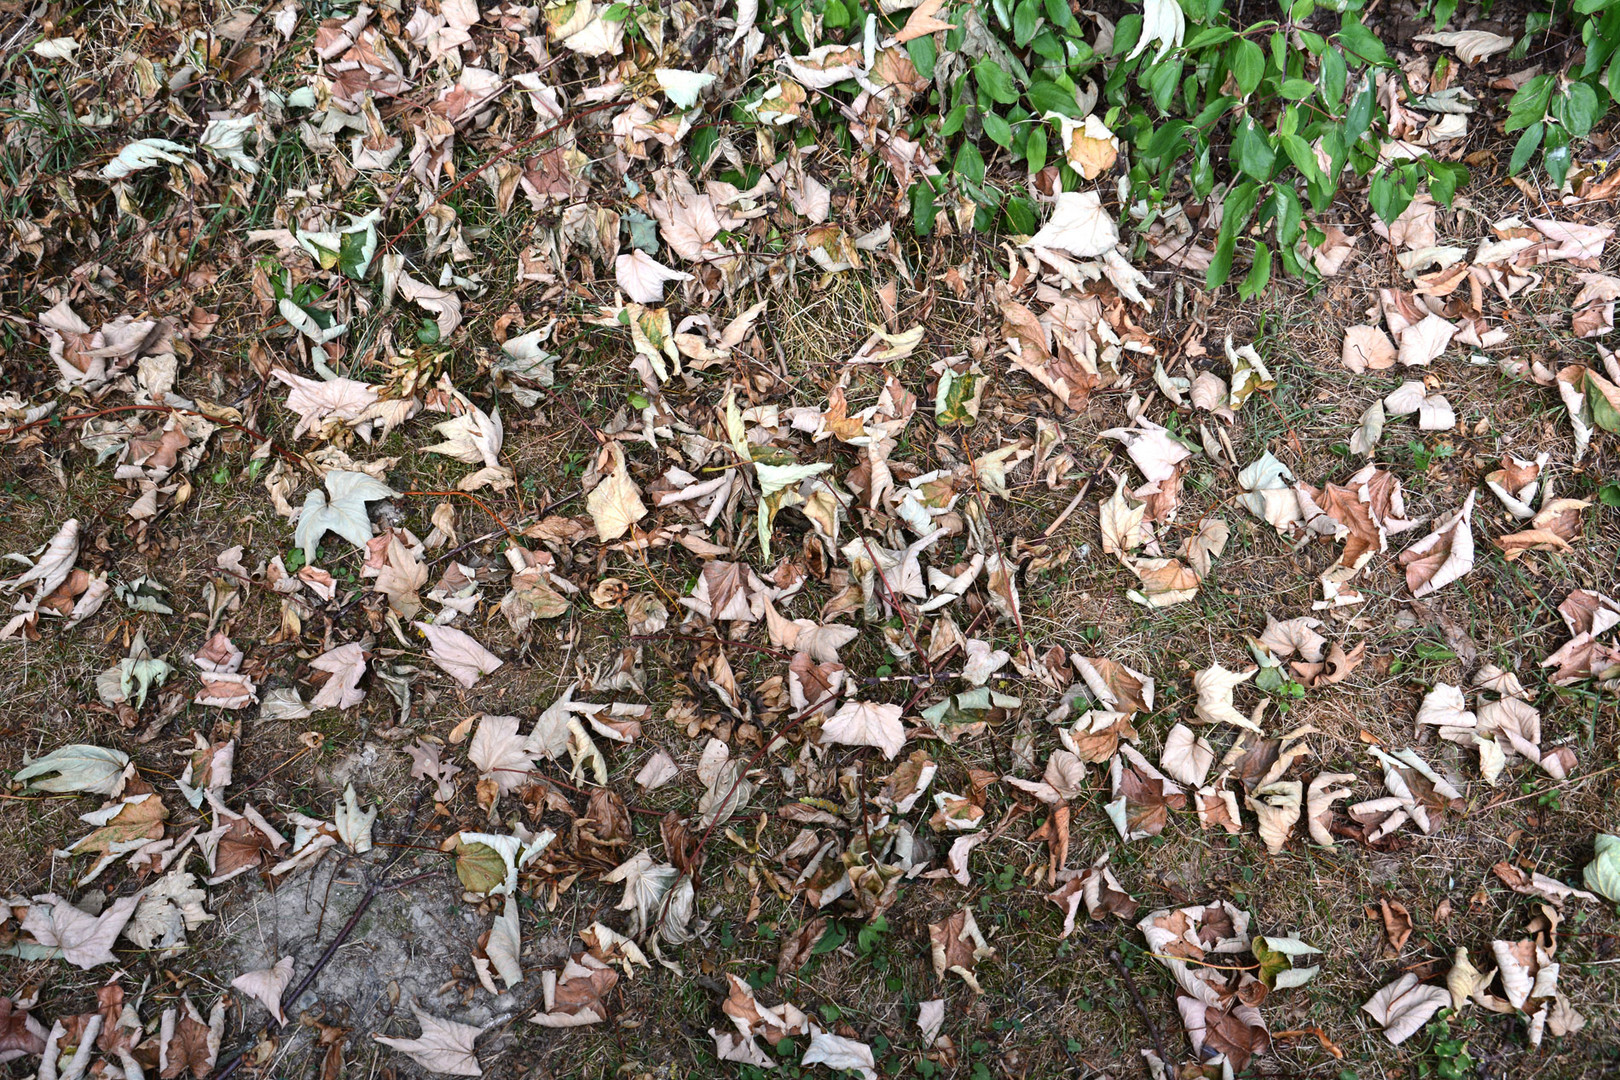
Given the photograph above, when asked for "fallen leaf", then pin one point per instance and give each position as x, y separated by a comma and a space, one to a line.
1367, 348
1444, 555
81, 939
860, 723
344, 513
267, 985
457, 654
1404, 1006
443, 1047
79, 767
615, 503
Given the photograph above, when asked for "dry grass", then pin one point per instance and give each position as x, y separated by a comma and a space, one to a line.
1051, 1007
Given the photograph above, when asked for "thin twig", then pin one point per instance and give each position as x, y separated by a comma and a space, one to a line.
1136, 999
376, 886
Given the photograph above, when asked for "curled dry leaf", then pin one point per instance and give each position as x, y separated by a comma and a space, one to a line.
1404, 1006
1444, 555
1367, 348
1214, 686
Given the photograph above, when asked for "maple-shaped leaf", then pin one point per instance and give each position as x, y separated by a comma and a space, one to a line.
646, 882
723, 592
1079, 225
1404, 1006
344, 513
82, 939
1367, 348
267, 985
643, 278
1277, 806
1187, 756
20, 1034
1214, 685
457, 654
1319, 799
1142, 796
443, 1047
347, 665
958, 946
426, 765
1098, 888
1115, 685
861, 723
1120, 519
319, 401
1152, 448
80, 767
51, 566
500, 753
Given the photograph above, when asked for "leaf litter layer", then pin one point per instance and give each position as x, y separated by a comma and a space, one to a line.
778, 628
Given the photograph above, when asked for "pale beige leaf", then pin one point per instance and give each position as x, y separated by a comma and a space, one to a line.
267, 985
457, 654
615, 503
1404, 1006
443, 1047
1367, 348
861, 723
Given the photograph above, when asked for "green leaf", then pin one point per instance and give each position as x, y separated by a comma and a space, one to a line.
924, 54
1529, 104
1444, 179
1247, 63
1026, 19
1047, 96
1555, 155
1392, 191
1609, 494
1059, 15
616, 13
1443, 11
1297, 89
1035, 149
1022, 215
1527, 146
1209, 35
996, 126
923, 208
1235, 216
993, 79
1252, 151
1604, 399
953, 122
1360, 41
1259, 273
1359, 118
479, 866
1162, 80
1587, 7
1304, 158
1602, 874
1166, 139
1048, 46
1126, 31
970, 164
1581, 109
1333, 77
